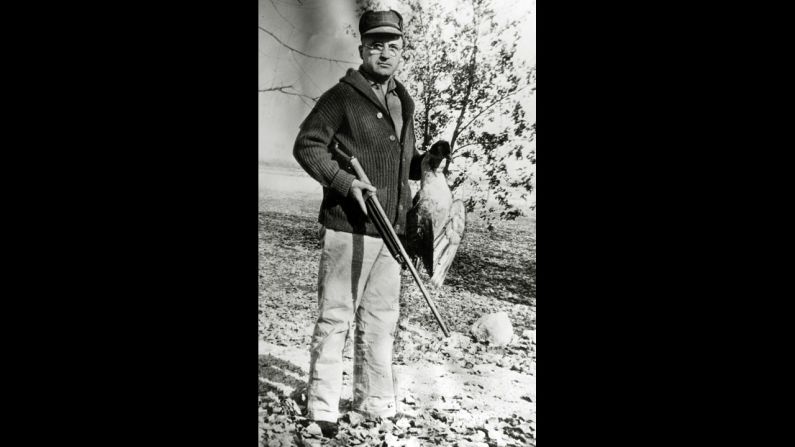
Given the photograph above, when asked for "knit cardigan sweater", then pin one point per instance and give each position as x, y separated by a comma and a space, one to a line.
350, 117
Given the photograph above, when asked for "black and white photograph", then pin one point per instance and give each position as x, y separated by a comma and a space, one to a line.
397, 223
396, 147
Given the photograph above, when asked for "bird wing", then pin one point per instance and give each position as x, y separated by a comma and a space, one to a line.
446, 242
419, 235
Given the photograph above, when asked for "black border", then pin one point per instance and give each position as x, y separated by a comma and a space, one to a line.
141, 269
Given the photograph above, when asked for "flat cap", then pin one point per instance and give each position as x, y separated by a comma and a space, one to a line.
381, 22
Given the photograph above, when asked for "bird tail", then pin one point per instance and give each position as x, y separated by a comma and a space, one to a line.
446, 244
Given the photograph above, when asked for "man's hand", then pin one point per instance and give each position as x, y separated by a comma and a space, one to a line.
356, 191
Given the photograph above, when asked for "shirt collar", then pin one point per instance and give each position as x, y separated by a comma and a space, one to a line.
390, 84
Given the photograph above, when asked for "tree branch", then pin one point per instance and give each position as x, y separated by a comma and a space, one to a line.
284, 88
302, 53
474, 143
499, 100
275, 89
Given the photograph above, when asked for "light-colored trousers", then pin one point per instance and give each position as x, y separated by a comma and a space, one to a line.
358, 282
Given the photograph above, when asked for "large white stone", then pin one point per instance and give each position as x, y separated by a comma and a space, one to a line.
495, 328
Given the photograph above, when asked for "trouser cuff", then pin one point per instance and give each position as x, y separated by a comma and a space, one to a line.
327, 416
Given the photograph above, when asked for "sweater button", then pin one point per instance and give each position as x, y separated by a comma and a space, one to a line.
391, 138
379, 115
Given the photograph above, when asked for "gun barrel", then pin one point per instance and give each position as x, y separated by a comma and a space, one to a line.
390, 237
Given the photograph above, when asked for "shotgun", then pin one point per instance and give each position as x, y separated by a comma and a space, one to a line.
378, 216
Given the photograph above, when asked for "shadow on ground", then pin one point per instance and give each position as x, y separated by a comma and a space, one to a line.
474, 274
274, 369
290, 231
505, 274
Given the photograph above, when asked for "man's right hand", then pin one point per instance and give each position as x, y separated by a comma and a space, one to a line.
357, 190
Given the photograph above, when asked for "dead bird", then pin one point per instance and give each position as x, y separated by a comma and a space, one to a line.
435, 224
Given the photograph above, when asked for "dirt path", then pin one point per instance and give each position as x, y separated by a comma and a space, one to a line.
450, 395
431, 385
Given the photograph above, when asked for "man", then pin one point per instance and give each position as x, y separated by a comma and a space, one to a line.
369, 115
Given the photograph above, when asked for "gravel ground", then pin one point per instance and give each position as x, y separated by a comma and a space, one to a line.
454, 391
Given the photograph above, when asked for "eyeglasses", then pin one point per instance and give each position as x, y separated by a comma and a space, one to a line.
378, 48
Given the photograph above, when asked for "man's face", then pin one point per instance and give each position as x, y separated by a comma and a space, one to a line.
381, 53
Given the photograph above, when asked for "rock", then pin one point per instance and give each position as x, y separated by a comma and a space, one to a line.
390, 440
402, 423
412, 442
294, 407
496, 436
355, 418
410, 412
494, 328
436, 414
314, 430
478, 436
360, 433
386, 426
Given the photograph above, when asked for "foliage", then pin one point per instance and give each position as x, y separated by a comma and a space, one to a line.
469, 88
